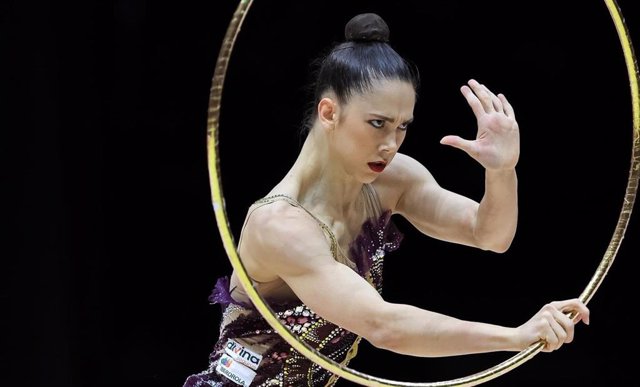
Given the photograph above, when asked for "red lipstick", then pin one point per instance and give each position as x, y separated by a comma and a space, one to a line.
378, 166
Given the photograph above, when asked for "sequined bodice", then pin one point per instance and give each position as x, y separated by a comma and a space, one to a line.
280, 364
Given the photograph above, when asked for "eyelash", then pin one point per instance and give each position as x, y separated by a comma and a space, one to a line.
379, 124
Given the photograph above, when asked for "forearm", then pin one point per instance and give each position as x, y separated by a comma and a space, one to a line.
497, 215
413, 331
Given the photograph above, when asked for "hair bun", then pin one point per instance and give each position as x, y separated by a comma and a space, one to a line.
368, 27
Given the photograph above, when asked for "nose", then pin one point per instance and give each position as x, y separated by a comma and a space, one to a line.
390, 144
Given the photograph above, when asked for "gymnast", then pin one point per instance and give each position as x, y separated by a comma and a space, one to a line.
314, 245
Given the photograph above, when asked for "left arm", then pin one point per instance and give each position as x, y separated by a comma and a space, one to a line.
497, 214
490, 224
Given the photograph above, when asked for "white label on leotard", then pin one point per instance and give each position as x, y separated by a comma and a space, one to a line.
235, 371
242, 354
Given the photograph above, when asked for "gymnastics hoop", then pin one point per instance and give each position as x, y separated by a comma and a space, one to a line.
215, 99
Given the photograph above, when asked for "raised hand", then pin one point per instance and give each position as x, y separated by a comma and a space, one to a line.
497, 143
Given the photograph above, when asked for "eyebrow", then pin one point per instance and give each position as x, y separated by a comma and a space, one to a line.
389, 119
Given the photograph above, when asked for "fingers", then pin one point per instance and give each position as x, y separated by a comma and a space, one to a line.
483, 95
483, 100
460, 143
559, 326
497, 103
573, 306
479, 95
508, 109
562, 329
476, 105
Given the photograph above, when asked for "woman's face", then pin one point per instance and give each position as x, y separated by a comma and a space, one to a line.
372, 126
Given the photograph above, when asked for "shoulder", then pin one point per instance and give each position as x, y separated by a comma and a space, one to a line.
282, 236
405, 167
402, 175
279, 218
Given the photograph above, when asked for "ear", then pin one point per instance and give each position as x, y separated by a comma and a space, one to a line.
328, 112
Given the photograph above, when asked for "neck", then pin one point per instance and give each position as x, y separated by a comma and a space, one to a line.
321, 181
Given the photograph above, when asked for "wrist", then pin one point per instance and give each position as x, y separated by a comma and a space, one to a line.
506, 174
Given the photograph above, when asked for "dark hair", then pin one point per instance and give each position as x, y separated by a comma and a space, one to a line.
354, 65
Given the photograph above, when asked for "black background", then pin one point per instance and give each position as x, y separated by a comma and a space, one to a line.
112, 245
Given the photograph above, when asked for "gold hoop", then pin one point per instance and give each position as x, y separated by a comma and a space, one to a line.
332, 366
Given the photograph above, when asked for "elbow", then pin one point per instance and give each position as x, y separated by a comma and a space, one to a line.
503, 245
381, 334
496, 245
381, 339
500, 248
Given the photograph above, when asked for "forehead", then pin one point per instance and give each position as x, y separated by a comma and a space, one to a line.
393, 96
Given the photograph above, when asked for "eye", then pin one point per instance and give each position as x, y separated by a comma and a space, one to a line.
404, 126
378, 124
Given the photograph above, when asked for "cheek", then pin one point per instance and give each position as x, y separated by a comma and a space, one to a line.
364, 135
357, 138
400, 137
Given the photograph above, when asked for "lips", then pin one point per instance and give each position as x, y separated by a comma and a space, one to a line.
377, 166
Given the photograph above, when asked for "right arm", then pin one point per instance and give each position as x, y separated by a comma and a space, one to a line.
295, 249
